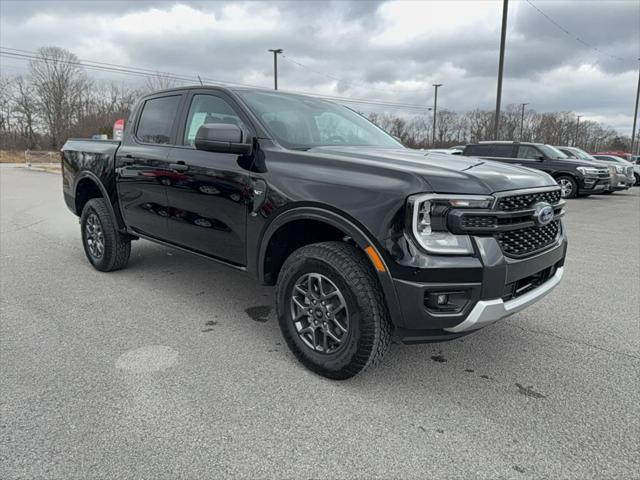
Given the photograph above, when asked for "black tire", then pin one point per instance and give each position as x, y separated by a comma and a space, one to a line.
637, 183
570, 188
608, 192
368, 329
116, 247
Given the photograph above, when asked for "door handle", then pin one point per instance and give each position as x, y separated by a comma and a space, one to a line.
179, 167
128, 159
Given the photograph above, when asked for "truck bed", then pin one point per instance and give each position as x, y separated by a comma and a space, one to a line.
85, 158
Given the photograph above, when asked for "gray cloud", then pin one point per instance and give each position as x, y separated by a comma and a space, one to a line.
341, 39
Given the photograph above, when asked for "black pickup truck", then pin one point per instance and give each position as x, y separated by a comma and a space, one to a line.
367, 241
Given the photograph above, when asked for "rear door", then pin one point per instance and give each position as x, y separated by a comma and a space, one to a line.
142, 165
209, 204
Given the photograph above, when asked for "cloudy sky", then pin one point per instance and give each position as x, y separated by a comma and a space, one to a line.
383, 51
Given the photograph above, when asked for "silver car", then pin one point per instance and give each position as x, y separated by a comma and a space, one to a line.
623, 168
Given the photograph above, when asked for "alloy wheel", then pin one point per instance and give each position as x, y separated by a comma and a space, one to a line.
566, 187
94, 236
319, 313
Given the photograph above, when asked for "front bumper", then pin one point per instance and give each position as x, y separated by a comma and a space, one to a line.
488, 311
620, 182
589, 185
485, 288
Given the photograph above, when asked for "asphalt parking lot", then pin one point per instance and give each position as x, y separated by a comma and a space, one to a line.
174, 368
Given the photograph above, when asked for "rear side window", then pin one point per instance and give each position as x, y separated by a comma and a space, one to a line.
477, 150
156, 120
489, 150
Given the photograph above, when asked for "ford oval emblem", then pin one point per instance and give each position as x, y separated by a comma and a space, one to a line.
543, 214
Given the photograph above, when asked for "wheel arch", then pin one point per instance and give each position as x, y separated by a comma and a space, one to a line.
87, 186
339, 222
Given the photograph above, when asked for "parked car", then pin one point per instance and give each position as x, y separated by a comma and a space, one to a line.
635, 160
575, 177
623, 168
618, 179
617, 153
364, 239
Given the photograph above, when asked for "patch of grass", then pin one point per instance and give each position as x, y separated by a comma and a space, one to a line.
11, 156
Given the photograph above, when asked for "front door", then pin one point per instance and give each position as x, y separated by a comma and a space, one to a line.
142, 166
208, 204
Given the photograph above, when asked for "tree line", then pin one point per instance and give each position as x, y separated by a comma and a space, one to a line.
56, 99
452, 128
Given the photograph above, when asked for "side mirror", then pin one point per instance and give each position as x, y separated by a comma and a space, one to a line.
540, 158
221, 138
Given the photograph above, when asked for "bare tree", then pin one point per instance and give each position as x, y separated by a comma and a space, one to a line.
60, 82
25, 107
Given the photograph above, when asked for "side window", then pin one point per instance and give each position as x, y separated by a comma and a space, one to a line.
477, 150
157, 119
529, 153
208, 109
504, 151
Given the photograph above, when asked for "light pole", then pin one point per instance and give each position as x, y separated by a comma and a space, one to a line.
275, 51
522, 120
575, 139
503, 37
635, 114
435, 110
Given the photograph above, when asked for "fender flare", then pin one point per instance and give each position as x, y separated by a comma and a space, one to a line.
94, 178
359, 235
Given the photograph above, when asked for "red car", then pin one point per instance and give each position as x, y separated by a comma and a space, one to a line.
617, 153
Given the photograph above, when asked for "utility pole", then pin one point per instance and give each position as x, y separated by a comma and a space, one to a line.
435, 110
635, 116
275, 51
503, 37
575, 139
522, 121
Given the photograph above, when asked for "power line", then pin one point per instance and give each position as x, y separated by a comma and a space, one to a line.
27, 55
576, 37
348, 82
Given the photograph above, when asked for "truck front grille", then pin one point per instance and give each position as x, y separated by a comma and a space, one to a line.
522, 202
526, 241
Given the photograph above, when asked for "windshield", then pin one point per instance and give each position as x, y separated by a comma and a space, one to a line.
552, 152
582, 155
303, 122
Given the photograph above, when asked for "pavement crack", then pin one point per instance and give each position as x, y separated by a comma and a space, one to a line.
24, 227
569, 340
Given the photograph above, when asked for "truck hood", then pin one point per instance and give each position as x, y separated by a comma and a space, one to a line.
441, 172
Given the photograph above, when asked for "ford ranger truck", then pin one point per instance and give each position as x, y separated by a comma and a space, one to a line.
366, 241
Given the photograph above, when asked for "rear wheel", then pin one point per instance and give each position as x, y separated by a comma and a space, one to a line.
331, 310
568, 186
106, 248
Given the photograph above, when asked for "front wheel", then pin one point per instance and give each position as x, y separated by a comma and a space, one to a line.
568, 186
331, 310
106, 248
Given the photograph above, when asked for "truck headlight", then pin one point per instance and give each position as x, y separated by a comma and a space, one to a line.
619, 169
427, 215
588, 171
